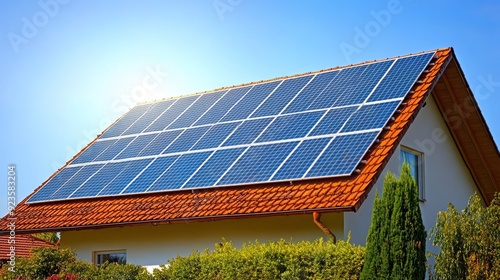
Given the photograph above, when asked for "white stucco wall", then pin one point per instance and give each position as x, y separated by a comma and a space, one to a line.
447, 178
153, 245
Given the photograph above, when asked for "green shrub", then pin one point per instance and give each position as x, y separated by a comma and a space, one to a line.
469, 241
274, 260
61, 264
44, 262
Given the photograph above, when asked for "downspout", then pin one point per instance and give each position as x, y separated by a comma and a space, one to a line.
316, 219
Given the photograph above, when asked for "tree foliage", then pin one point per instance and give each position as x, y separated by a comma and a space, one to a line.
396, 238
469, 241
51, 237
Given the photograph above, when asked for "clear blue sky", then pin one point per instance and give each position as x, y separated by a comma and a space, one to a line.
70, 68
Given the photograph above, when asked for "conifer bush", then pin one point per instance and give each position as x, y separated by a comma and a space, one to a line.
395, 245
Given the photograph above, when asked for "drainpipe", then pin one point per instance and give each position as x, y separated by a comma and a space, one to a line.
316, 219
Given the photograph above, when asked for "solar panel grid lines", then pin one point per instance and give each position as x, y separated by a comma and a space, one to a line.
367, 81
213, 168
74, 182
179, 171
223, 92
196, 110
342, 155
284, 93
311, 126
56, 182
93, 151
303, 99
230, 99
148, 117
408, 71
251, 101
337, 86
135, 146
125, 177
246, 170
296, 164
171, 114
144, 180
99, 180
113, 150
125, 121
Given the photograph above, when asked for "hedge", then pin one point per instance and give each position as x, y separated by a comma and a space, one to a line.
273, 260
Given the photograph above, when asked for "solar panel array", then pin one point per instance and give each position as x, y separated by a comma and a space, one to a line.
311, 126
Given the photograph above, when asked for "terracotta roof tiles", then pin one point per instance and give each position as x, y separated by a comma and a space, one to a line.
24, 243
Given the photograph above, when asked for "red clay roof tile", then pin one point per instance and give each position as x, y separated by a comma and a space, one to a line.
24, 243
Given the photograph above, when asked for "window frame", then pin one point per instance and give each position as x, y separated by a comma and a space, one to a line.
104, 252
420, 169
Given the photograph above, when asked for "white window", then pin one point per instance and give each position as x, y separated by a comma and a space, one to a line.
415, 160
101, 257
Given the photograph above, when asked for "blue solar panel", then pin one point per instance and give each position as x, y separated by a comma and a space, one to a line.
344, 83
281, 96
161, 141
135, 147
247, 132
342, 155
149, 175
95, 184
250, 101
131, 170
364, 85
93, 151
333, 121
303, 100
171, 114
213, 168
290, 126
186, 140
180, 171
128, 119
54, 184
257, 164
401, 77
197, 110
72, 184
114, 149
215, 136
371, 116
145, 120
310, 126
223, 106
295, 167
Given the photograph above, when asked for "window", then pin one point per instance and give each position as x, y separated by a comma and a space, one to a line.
110, 256
415, 160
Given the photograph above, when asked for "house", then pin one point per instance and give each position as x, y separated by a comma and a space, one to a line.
23, 245
172, 200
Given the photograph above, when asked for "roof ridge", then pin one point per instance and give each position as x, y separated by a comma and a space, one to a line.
291, 76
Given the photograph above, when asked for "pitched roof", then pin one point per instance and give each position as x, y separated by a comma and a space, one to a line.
24, 243
280, 198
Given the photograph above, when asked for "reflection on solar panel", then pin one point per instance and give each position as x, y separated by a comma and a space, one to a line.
311, 126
